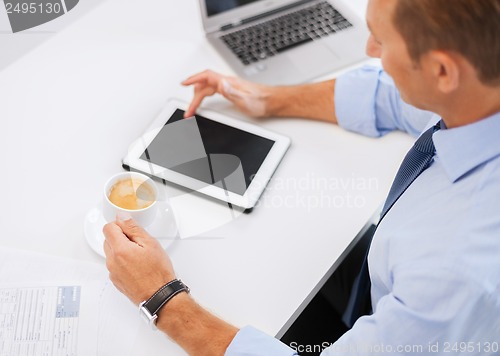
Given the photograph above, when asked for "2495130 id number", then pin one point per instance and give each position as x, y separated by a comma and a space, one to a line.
471, 347
33, 8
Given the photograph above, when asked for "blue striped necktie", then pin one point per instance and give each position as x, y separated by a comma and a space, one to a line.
416, 161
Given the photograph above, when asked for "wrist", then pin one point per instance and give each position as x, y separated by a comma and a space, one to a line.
173, 312
150, 308
190, 326
277, 100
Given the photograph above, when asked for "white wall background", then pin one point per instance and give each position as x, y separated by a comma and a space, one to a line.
15, 45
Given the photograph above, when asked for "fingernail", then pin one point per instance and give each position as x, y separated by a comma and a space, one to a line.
122, 216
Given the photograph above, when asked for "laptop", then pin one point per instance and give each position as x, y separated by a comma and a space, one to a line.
284, 41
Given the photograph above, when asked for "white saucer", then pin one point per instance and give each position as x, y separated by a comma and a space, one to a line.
164, 228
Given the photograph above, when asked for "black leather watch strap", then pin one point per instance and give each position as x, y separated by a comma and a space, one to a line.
163, 295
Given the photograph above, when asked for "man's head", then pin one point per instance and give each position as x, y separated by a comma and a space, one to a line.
470, 28
437, 51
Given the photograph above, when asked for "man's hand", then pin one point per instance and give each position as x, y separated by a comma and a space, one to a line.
309, 101
249, 97
138, 266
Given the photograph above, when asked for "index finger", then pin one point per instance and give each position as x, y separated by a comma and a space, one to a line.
114, 235
197, 99
199, 77
133, 231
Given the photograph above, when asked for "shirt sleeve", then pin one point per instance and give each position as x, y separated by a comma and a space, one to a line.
368, 102
252, 342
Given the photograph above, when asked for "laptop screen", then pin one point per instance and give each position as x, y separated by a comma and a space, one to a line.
215, 7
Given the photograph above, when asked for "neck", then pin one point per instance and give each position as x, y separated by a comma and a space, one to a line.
470, 106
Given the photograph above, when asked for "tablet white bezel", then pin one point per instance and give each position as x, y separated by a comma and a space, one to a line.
258, 184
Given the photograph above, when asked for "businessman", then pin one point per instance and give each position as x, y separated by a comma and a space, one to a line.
434, 262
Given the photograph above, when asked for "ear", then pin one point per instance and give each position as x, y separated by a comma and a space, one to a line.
446, 70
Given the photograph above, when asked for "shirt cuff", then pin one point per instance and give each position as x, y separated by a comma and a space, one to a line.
252, 342
357, 89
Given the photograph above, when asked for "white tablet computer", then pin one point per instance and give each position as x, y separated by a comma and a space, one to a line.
210, 153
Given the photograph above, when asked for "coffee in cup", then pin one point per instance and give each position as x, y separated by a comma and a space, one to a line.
130, 194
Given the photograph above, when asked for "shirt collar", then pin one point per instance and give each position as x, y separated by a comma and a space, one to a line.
463, 148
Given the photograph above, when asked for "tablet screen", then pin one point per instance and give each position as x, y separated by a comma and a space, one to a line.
209, 151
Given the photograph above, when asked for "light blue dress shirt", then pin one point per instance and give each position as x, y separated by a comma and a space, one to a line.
435, 259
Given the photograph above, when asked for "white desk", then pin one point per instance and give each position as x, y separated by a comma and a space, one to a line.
70, 109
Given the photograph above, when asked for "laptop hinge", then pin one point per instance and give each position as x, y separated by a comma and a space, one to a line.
233, 24
239, 22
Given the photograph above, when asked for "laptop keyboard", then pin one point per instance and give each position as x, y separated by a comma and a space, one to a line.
267, 39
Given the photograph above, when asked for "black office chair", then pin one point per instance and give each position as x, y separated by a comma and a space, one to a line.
320, 323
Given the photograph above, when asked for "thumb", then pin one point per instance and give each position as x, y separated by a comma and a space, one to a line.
133, 231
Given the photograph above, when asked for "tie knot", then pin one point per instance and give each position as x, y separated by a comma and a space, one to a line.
416, 161
424, 143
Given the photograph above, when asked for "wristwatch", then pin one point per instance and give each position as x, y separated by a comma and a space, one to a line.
149, 308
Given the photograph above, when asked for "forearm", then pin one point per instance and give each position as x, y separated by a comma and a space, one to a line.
196, 330
311, 101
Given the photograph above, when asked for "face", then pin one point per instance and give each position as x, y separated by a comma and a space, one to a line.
386, 43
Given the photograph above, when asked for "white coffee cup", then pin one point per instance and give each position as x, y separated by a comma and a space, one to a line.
130, 195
